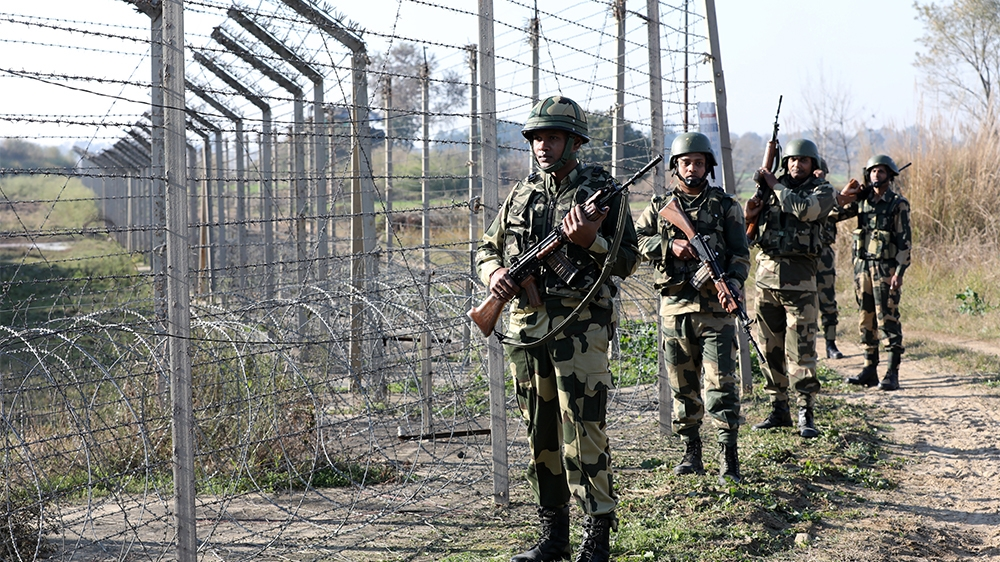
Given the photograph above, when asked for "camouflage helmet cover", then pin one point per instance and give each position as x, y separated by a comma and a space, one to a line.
686, 143
801, 147
882, 160
557, 112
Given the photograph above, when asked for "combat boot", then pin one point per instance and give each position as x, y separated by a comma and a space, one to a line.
807, 428
831, 350
596, 545
891, 379
553, 540
868, 375
780, 416
691, 463
729, 465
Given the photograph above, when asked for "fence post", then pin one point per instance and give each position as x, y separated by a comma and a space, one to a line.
178, 281
618, 129
491, 203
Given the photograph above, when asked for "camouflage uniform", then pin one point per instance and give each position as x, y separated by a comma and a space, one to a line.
697, 331
826, 281
562, 387
790, 241
881, 248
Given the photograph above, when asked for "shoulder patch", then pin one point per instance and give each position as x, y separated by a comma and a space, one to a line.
533, 177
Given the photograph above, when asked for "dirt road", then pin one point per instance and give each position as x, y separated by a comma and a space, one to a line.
946, 505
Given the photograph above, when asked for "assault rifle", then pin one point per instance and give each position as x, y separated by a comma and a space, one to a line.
675, 215
526, 266
772, 157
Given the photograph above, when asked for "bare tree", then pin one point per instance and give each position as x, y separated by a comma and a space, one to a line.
962, 57
833, 121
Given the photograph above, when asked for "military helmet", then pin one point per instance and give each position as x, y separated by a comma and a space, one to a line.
800, 147
882, 160
557, 112
687, 143
823, 166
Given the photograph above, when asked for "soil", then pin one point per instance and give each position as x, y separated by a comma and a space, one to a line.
946, 501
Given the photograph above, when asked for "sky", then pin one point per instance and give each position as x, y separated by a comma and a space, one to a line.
861, 49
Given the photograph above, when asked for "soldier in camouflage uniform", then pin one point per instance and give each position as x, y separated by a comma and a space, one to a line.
699, 330
826, 279
790, 240
881, 252
562, 386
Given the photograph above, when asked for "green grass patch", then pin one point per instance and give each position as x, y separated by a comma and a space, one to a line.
789, 484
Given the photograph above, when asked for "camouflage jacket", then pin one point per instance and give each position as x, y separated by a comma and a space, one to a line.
883, 231
714, 214
534, 207
791, 234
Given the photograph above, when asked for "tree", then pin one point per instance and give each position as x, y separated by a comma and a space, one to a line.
402, 65
832, 123
962, 58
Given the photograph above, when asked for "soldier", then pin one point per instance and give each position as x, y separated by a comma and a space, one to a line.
790, 241
826, 278
699, 330
562, 386
881, 254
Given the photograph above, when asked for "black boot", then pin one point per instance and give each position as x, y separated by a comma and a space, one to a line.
596, 545
691, 463
891, 380
729, 465
831, 350
807, 428
868, 375
779, 417
553, 541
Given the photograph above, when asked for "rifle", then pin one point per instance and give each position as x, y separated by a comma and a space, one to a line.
772, 156
675, 215
524, 268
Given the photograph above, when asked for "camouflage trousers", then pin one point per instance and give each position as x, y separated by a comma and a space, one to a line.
879, 306
562, 392
826, 286
696, 341
787, 324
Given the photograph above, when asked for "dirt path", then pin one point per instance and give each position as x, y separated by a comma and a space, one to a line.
946, 505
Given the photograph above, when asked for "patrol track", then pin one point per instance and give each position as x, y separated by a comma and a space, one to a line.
946, 504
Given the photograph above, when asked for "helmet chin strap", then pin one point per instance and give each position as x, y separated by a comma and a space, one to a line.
692, 183
558, 164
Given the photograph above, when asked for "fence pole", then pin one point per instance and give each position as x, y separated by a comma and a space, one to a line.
388, 169
178, 281
427, 384
474, 192
618, 130
491, 203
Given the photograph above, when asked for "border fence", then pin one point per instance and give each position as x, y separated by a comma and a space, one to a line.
233, 324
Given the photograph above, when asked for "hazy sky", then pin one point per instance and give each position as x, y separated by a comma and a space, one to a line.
863, 49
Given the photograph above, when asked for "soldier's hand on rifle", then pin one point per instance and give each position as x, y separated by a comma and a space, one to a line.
849, 194
681, 249
730, 301
502, 285
752, 208
579, 228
